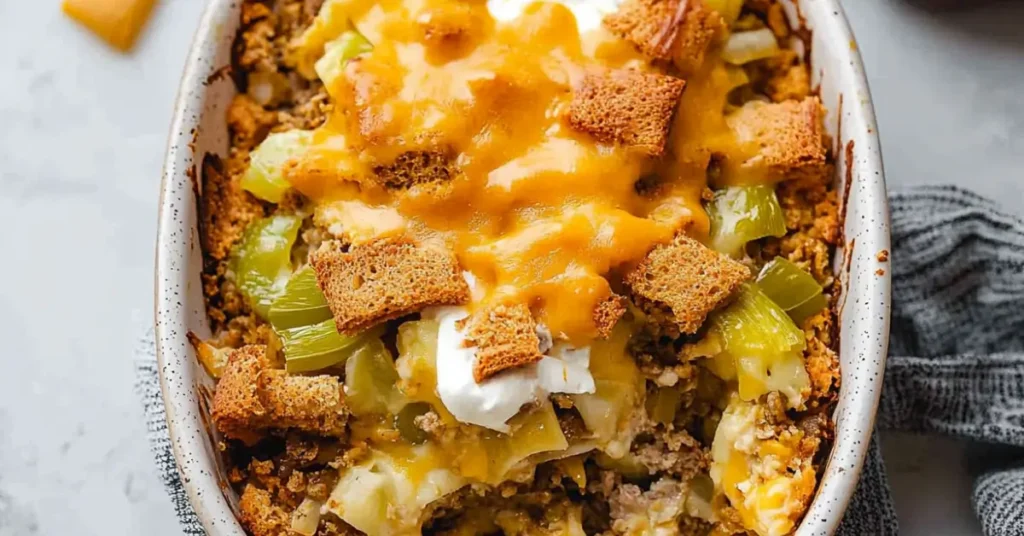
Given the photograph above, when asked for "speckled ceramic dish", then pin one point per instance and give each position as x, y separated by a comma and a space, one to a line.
199, 128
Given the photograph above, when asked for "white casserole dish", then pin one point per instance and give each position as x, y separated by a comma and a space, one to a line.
199, 127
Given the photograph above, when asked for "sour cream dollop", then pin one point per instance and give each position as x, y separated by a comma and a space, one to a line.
491, 404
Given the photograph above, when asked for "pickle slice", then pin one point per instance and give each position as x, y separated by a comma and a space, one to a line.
316, 347
337, 53
759, 346
795, 290
261, 261
740, 214
370, 379
405, 422
264, 177
302, 302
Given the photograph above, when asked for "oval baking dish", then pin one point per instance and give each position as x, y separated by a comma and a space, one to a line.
199, 132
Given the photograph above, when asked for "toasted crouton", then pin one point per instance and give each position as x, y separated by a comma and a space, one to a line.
627, 107
260, 515
415, 167
252, 397
385, 279
681, 282
505, 337
607, 314
679, 31
788, 137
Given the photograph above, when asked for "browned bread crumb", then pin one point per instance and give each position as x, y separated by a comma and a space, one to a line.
607, 314
252, 397
788, 136
811, 209
821, 360
415, 167
684, 280
249, 122
385, 279
812, 218
672, 30
505, 337
627, 107
260, 514
225, 209
793, 84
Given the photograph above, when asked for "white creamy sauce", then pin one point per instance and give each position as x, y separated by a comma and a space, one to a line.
492, 403
588, 13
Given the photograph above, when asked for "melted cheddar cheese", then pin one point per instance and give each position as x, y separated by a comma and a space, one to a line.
538, 212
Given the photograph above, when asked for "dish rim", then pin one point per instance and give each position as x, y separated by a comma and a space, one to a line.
177, 241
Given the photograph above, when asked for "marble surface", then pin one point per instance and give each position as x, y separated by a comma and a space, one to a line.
81, 145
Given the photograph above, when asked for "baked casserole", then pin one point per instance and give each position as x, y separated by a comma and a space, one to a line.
501, 267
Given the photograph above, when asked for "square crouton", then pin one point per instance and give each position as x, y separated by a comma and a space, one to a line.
627, 107
607, 314
252, 397
505, 337
679, 31
415, 167
788, 138
385, 279
681, 282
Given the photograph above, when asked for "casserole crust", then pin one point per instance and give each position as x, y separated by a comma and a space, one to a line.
687, 450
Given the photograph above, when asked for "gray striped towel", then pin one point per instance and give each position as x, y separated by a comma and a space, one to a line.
956, 364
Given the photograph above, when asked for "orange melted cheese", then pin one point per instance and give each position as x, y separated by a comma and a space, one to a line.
539, 213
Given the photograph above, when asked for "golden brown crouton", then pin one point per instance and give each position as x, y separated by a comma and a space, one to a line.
260, 515
385, 279
607, 314
415, 167
681, 282
788, 137
252, 397
627, 107
505, 337
671, 30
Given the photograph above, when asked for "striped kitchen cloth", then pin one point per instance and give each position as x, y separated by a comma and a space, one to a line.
956, 364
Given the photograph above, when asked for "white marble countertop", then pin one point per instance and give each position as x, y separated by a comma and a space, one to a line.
81, 143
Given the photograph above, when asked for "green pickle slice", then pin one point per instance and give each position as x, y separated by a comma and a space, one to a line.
264, 178
316, 347
740, 214
261, 261
370, 380
792, 288
405, 422
337, 53
754, 342
302, 302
